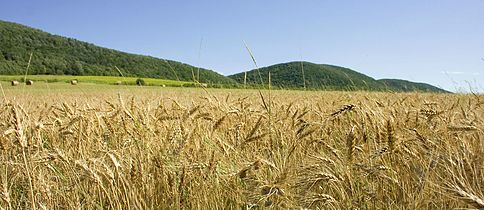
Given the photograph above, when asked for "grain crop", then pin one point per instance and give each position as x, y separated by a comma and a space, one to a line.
169, 148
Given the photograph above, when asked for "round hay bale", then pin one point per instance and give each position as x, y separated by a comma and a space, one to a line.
163, 85
29, 82
118, 83
74, 82
14, 82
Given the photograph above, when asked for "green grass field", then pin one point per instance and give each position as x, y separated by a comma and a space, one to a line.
96, 79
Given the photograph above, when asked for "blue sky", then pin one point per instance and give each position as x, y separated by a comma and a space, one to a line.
437, 42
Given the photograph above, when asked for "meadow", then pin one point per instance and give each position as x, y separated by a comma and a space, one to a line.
95, 146
95, 80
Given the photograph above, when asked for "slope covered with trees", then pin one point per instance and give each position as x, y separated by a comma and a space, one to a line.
58, 55
406, 86
323, 76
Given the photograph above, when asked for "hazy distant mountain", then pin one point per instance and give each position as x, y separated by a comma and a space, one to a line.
322, 76
54, 54
405, 86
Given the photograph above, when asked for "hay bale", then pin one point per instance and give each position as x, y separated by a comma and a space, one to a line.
118, 83
29, 82
163, 85
74, 82
14, 82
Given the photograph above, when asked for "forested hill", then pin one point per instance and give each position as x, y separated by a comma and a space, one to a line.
405, 86
58, 55
328, 77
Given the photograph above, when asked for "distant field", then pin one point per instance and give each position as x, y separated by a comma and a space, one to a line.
96, 79
86, 90
147, 147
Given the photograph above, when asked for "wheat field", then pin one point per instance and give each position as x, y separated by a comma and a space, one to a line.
181, 148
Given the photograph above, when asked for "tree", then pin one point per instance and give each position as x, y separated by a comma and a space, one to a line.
77, 68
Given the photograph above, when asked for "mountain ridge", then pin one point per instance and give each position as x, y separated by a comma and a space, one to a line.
54, 54
58, 55
326, 76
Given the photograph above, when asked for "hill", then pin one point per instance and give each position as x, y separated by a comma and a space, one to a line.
57, 55
328, 77
406, 86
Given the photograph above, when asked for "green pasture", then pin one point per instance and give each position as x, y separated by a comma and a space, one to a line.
95, 79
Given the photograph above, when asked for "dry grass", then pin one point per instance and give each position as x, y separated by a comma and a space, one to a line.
191, 149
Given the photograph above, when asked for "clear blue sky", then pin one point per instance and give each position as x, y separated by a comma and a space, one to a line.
438, 42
